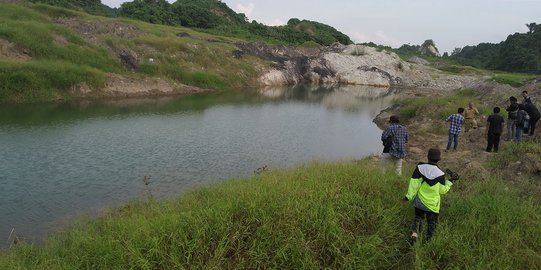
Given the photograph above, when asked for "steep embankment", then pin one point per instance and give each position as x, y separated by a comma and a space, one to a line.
49, 53
356, 64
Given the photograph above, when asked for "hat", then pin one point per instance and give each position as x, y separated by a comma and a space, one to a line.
434, 154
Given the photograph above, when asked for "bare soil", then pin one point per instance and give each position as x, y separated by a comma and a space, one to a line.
471, 156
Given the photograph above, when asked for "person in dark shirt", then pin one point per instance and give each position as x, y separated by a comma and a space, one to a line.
534, 114
394, 138
512, 111
494, 130
526, 97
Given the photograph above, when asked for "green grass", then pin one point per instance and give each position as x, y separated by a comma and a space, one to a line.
439, 107
310, 44
513, 79
31, 30
343, 215
44, 80
514, 152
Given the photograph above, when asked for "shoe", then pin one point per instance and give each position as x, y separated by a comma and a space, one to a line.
412, 239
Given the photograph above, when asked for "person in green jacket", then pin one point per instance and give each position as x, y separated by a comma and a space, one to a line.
426, 186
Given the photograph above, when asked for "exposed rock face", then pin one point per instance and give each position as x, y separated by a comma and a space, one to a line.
429, 48
352, 64
418, 60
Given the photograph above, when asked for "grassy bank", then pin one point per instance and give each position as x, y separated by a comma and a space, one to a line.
47, 52
343, 215
438, 108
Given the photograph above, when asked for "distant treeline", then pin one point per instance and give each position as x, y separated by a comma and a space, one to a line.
214, 17
520, 52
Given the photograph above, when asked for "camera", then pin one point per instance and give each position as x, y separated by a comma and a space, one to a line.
453, 175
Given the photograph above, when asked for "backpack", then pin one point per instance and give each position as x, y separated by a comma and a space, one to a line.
524, 120
513, 114
387, 144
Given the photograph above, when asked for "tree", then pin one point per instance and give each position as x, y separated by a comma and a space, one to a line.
456, 51
152, 11
531, 27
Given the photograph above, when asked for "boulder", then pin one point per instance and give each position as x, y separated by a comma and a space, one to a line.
429, 48
418, 60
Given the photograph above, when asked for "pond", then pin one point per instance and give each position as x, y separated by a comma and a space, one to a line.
61, 161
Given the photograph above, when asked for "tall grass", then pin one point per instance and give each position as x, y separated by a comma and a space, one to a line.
44, 80
343, 215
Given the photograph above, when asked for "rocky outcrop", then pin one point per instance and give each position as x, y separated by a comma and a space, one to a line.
352, 64
429, 48
418, 60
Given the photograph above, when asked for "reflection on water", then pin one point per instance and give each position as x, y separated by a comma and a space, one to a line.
58, 160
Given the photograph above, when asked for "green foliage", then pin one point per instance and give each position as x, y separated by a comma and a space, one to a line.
152, 11
520, 52
217, 18
322, 216
90, 6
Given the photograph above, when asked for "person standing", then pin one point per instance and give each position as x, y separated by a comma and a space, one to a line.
395, 137
534, 114
494, 130
455, 127
512, 112
469, 117
526, 97
425, 188
523, 121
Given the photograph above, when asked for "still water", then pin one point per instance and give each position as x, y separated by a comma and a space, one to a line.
59, 161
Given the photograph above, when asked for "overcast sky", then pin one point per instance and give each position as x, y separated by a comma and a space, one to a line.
450, 24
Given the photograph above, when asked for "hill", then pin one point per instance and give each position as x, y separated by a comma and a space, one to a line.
520, 52
52, 53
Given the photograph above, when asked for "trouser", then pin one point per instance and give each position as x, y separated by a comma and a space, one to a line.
432, 220
470, 123
452, 138
493, 141
533, 121
518, 133
511, 128
386, 158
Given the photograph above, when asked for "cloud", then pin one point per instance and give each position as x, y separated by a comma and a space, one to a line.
378, 37
276, 22
246, 9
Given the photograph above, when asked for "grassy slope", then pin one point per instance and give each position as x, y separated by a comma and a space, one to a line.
451, 66
340, 215
62, 58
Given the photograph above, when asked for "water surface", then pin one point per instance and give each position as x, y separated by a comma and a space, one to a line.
60, 160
